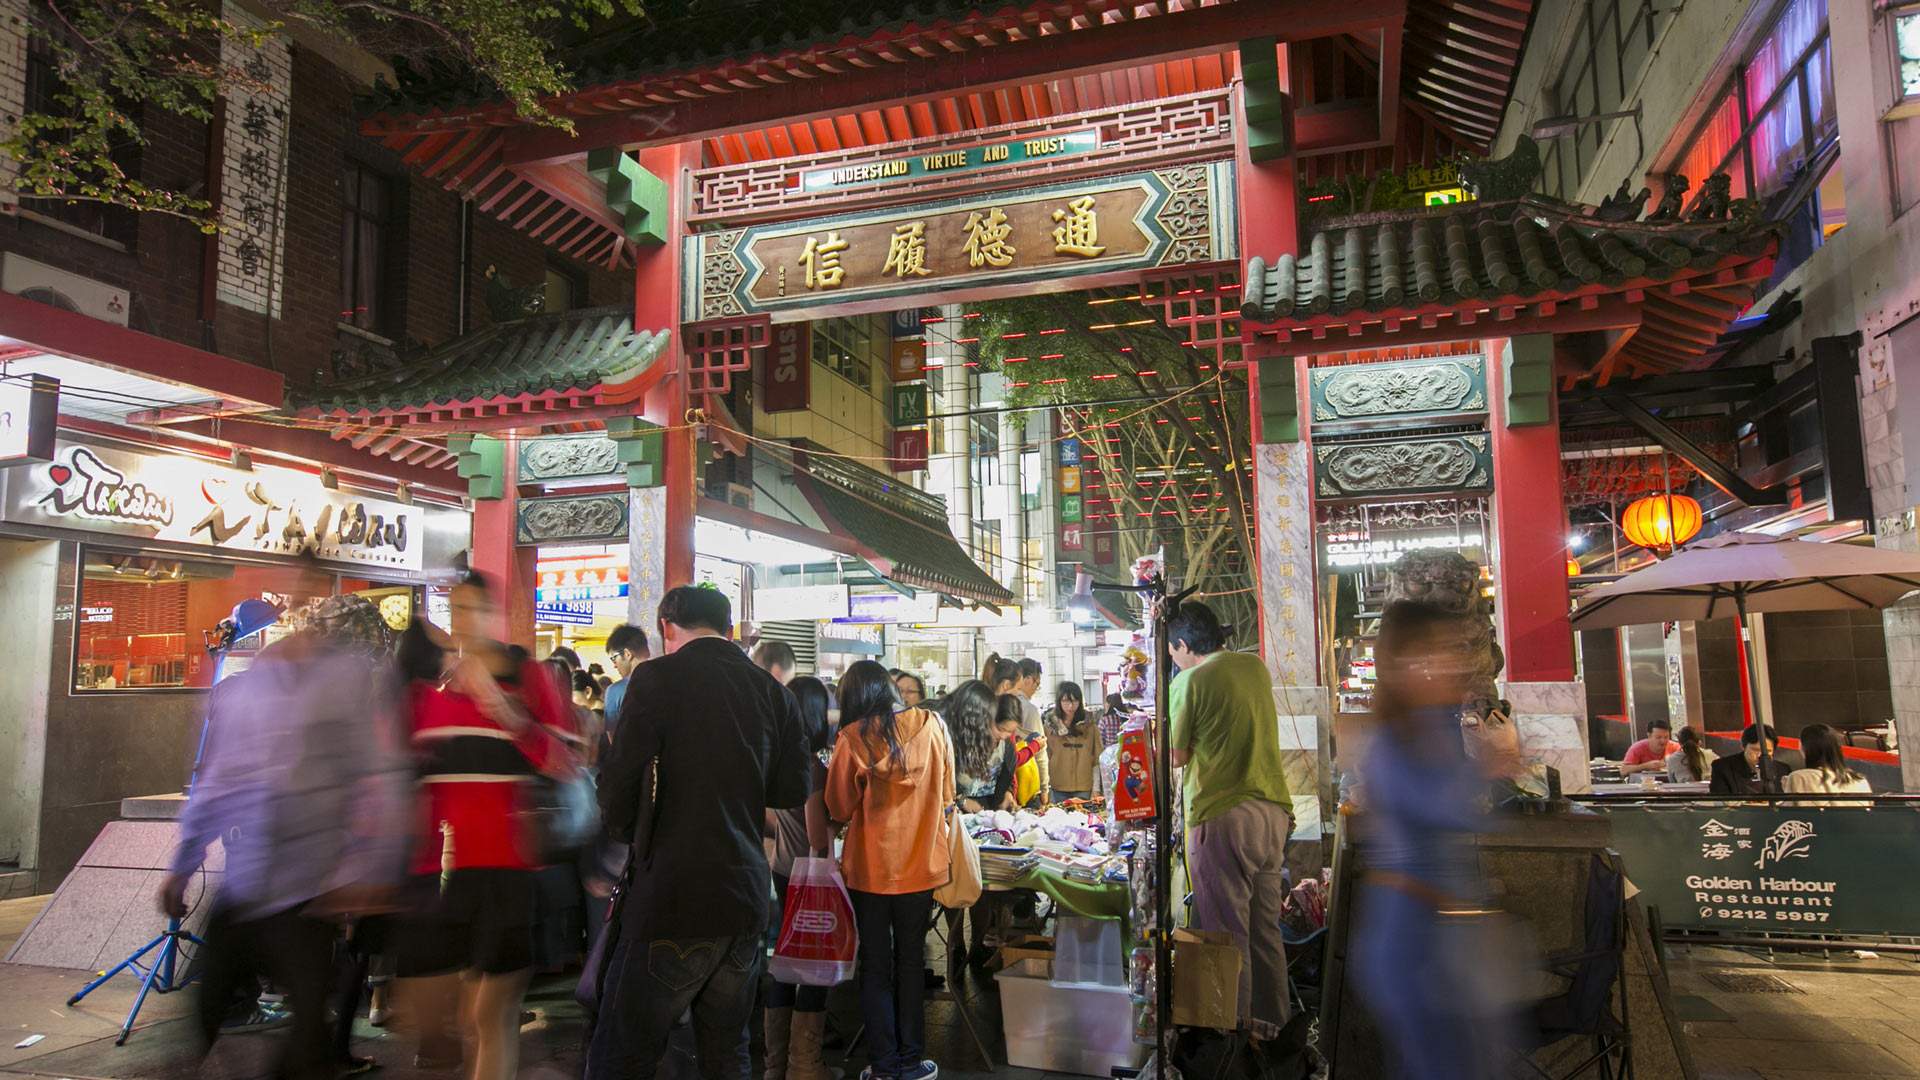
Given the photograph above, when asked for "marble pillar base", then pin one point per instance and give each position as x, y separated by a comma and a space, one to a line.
1304, 729
1551, 718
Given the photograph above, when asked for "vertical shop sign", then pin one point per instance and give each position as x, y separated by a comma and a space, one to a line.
909, 405
1070, 509
908, 360
1070, 480
1071, 538
787, 377
253, 170
909, 450
1069, 451
29, 408
1103, 549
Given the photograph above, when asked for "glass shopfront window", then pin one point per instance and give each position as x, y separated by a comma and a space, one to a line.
143, 621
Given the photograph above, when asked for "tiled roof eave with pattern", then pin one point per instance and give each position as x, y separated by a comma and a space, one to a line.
542, 362
1486, 255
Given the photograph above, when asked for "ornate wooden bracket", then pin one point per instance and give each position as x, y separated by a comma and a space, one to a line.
719, 349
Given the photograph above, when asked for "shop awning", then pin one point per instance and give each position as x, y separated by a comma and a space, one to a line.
540, 367
901, 531
112, 373
1530, 265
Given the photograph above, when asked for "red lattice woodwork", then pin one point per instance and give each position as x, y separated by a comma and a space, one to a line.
1134, 136
717, 350
1202, 304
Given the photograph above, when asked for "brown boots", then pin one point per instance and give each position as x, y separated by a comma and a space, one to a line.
803, 1054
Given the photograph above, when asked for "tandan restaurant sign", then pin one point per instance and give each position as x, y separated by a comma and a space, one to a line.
186, 500
1163, 217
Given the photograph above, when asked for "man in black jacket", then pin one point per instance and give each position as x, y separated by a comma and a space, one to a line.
706, 743
1748, 772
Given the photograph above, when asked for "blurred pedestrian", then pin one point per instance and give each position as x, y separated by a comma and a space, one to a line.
912, 688
1414, 958
796, 1017
1223, 729
496, 721
307, 794
706, 744
891, 782
566, 656
776, 658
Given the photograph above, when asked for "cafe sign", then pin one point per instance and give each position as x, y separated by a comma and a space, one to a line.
1137, 221
185, 500
1780, 869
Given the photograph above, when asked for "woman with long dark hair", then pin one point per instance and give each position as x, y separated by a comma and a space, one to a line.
1000, 675
1690, 764
1827, 770
1422, 878
1073, 744
983, 761
891, 781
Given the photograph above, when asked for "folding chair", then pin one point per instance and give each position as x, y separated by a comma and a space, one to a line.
1595, 976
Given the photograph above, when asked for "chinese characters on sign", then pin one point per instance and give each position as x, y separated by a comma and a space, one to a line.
253, 179
1077, 234
1136, 221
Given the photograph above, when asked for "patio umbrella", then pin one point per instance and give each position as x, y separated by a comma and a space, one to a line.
1735, 574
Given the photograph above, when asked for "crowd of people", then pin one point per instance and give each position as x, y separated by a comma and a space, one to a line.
407, 807
1761, 767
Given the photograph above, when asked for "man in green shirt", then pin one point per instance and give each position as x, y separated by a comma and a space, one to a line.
1226, 735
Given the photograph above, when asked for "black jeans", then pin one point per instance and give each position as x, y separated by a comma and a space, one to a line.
297, 954
893, 987
651, 984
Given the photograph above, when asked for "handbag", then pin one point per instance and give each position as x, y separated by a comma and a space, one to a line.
819, 942
964, 886
562, 815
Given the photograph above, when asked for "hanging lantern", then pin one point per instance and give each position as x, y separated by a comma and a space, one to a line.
1650, 523
1573, 567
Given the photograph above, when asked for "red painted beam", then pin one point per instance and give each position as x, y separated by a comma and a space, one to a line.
307, 444
980, 70
1338, 126
65, 333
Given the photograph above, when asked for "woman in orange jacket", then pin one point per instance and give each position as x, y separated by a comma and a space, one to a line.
891, 781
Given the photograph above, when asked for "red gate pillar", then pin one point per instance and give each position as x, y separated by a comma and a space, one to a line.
662, 538
1529, 511
507, 566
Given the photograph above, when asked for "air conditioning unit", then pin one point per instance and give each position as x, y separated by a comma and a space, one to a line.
67, 291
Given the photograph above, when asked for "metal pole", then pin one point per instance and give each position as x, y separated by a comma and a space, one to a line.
1163, 834
1753, 683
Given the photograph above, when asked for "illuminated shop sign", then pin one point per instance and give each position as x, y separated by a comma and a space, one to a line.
1349, 549
29, 408
184, 500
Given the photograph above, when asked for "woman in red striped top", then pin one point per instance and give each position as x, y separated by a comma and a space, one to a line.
492, 724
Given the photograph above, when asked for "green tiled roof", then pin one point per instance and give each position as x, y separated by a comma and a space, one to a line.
568, 351
1471, 251
683, 35
904, 526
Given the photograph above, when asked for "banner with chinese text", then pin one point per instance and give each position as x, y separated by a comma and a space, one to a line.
1165, 217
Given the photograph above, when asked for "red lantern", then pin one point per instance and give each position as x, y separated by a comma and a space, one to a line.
1661, 522
1573, 567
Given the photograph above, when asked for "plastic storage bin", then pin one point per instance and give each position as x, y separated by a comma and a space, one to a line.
1086, 1030
1088, 952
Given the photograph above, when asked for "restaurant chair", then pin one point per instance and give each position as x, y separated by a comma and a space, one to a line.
1595, 980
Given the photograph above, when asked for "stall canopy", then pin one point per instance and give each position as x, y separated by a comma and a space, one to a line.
901, 531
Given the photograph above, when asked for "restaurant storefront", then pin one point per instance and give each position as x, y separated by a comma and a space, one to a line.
117, 560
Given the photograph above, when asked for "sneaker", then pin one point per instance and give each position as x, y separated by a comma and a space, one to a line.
265, 1017
926, 1070
377, 1017
357, 1066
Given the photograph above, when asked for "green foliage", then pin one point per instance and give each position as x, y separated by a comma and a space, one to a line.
121, 61
1332, 198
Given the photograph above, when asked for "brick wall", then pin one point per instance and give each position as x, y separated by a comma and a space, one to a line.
165, 269
13, 86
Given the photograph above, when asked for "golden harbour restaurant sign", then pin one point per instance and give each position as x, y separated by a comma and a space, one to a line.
1164, 217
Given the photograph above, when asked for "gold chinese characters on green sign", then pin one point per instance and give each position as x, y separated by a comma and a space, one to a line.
1165, 217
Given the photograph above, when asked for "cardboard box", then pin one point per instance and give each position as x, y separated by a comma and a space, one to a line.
1206, 979
1026, 947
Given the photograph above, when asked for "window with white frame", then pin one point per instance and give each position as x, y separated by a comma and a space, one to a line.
1900, 28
